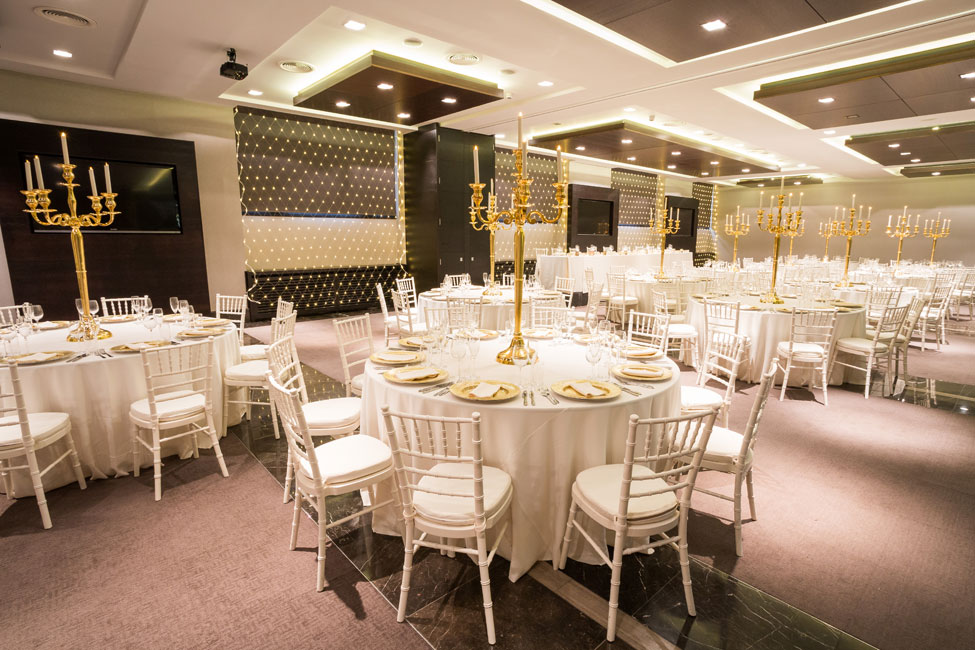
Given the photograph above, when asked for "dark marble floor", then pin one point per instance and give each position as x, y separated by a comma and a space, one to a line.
445, 604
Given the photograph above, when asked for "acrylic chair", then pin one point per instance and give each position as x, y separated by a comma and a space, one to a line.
446, 491
178, 403
336, 467
23, 434
354, 337
648, 495
734, 453
721, 363
810, 344
876, 350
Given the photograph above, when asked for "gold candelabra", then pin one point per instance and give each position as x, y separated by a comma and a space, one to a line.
902, 230
778, 223
792, 234
828, 230
737, 229
850, 228
663, 226
517, 216
935, 229
38, 202
479, 222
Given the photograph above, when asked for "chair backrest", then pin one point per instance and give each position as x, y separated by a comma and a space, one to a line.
723, 356
508, 280
12, 315
618, 269
939, 298
284, 308
590, 278
812, 326
648, 328
407, 287
382, 301
404, 316
120, 306
617, 284
283, 326
889, 323
459, 279
540, 251
436, 317
721, 316
672, 449
187, 367
880, 297
750, 435
658, 302
592, 301
355, 345
463, 312
288, 400
914, 310
13, 402
422, 442
565, 285
235, 307
285, 367
547, 315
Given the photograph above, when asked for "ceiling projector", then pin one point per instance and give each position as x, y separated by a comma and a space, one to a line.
231, 69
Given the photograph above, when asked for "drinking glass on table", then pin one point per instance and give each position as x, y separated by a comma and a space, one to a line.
520, 363
473, 347
8, 334
458, 350
25, 328
485, 277
174, 304
594, 352
36, 313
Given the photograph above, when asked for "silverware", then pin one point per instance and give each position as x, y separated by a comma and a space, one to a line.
626, 390
532, 394
430, 389
524, 398
77, 357
547, 394
442, 391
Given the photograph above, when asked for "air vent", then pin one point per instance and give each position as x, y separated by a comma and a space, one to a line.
64, 17
464, 58
298, 67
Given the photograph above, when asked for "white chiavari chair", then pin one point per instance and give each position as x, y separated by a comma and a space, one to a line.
603, 293
458, 279
407, 288
618, 269
348, 464
878, 299
810, 343
178, 387
463, 313
547, 316
354, 337
284, 308
734, 453
540, 251
23, 434
437, 317
903, 339
876, 351
235, 308
964, 294
408, 320
932, 317
507, 279
685, 334
722, 360
121, 306
387, 319
721, 316
592, 306
12, 315
648, 495
567, 287
447, 491
619, 301
648, 329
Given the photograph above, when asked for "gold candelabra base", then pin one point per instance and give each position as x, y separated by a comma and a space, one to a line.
771, 298
518, 349
492, 289
87, 329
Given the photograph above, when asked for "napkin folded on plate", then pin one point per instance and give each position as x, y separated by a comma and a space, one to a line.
417, 373
538, 331
395, 356
38, 356
48, 325
137, 346
484, 390
644, 371
641, 351
586, 389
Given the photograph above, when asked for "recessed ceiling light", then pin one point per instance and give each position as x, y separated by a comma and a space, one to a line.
826, 100
830, 132
464, 58
935, 128
674, 153
355, 25
705, 173
936, 173
631, 157
402, 116
297, 67
626, 141
671, 166
64, 54
761, 184
853, 116
905, 153
499, 135
628, 109
342, 103
255, 93
745, 170
967, 75
801, 165
894, 145
545, 84
449, 100
507, 71
714, 162
580, 148
385, 86
714, 25
915, 160
412, 42
797, 182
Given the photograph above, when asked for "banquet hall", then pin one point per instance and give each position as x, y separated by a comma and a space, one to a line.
520, 324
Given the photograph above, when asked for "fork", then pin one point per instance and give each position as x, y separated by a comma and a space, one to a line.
430, 389
548, 394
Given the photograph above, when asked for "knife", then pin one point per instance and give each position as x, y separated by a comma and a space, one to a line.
430, 389
533, 397
627, 390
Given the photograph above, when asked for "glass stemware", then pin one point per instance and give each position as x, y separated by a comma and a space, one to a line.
473, 347
36, 313
458, 350
594, 352
8, 334
25, 328
174, 304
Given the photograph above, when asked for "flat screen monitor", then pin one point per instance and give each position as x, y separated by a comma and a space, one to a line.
594, 217
147, 195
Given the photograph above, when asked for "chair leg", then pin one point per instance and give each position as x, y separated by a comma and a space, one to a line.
737, 502
75, 463
274, 416
5, 476
685, 572
215, 441
614, 583
156, 464
785, 377
567, 539
825, 383
751, 493
482, 566
248, 397
404, 589
35, 478
288, 475
226, 407
135, 450
866, 389
322, 540
295, 521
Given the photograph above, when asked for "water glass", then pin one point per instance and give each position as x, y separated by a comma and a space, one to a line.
36, 313
594, 352
174, 304
473, 347
458, 350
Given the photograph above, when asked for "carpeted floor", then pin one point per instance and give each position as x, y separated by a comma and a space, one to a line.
112, 573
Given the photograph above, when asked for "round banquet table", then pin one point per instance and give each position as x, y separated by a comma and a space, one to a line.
96, 393
858, 294
548, 267
765, 327
495, 310
541, 447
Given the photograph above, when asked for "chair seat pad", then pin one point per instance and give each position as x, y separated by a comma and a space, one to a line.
249, 371
801, 350
42, 425
724, 445
681, 330
884, 336
357, 382
170, 406
332, 413
698, 397
253, 352
677, 318
349, 458
599, 487
460, 509
618, 300
854, 344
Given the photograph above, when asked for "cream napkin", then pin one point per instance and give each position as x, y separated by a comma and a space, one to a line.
48, 325
484, 390
37, 356
586, 389
538, 331
395, 356
138, 346
641, 351
417, 373
643, 371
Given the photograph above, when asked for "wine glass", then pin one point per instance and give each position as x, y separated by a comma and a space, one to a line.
458, 349
8, 334
473, 347
594, 352
485, 277
24, 329
174, 304
36, 313
520, 363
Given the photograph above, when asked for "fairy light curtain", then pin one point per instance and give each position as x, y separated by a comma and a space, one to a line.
544, 172
707, 208
638, 200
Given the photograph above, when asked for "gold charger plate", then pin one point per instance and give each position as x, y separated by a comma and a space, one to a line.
213, 322
128, 318
747, 307
126, 348
538, 333
639, 352
563, 389
416, 342
620, 371
487, 335
505, 392
843, 303
48, 325
392, 375
200, 333
585, 339
784, 310
59, 355
403, 357
846, 310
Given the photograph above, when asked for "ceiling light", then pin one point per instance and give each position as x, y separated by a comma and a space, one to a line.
761, 184
935, 128
936, 173
449, 100
797, 182
342, 103
628, 109
464, 58
915, 160
714, 162
385, 86
714, 25
626, 141
674, 153
412, 42
545, 84
905, 153
402, 116
671, 166
355, 25
894, 145
255, 93
826, 100
580, 148
830, 132
967, 75
631, 158
745, 170
298, 67
499, 135
705, 174
64, 54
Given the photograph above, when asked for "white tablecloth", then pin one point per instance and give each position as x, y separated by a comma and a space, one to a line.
495, 310
766, 327
547, 267
97, 393
542, 447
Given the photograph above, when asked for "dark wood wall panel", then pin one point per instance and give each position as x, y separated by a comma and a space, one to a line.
119, 264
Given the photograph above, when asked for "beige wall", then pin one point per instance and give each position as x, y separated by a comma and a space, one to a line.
953, 196
210, 127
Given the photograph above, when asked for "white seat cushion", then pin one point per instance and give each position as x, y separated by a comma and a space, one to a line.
724, 445
170, 406
42, 425
349, 458
681, 331
801, 350
599, 487
460, 509
698, 397
357, 382
618, 300
253, 352
332, 413
884, 336
862, 346
249, 371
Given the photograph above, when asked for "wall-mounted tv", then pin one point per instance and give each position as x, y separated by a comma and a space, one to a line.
594, 214
594, 217
148, 201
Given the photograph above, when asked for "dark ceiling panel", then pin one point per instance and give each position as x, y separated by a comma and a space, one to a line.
863, 114
790, 181
932, 79
832, 10
417, 90
929, 145
939, 170
956, 100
